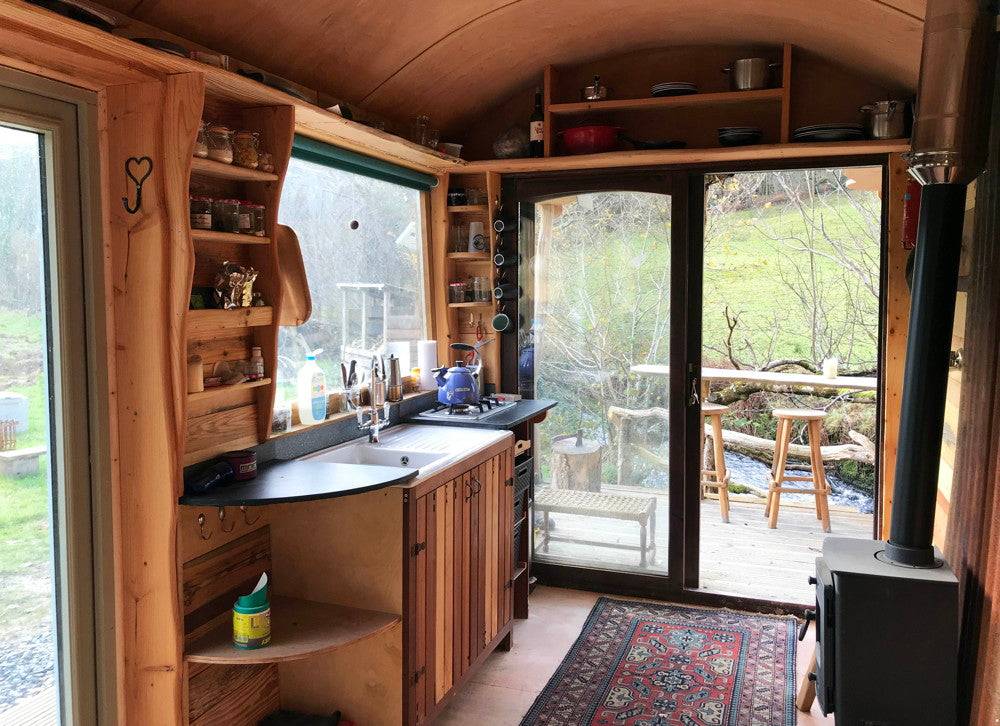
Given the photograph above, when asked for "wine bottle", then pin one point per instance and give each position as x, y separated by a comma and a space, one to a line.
536, 127
509, 291
502, 260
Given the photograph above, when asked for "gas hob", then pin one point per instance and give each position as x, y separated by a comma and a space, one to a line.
489, 406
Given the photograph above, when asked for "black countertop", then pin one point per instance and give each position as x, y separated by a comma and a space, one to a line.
514, 414
299, 481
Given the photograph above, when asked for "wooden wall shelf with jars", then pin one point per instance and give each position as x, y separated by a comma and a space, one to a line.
463, 275
237, 415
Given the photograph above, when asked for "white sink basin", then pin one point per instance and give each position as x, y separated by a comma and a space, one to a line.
380, 455
425, 448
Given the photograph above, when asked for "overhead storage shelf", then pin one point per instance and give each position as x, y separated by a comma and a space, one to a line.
299, 629
651, 104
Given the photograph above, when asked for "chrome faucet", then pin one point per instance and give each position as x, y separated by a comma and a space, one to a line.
375, 416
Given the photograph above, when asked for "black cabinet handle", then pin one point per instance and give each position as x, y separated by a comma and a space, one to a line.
804, 628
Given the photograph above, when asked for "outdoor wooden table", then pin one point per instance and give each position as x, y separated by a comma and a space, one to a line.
856, 383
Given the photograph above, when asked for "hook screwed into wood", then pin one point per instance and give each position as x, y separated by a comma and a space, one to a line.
249, 522
222, 521
201, 527
137, 169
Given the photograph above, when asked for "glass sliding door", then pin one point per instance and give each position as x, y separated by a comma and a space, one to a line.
791, 330
597, 280
46, 562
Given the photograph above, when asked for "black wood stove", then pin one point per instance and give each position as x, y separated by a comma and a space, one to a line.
887, 620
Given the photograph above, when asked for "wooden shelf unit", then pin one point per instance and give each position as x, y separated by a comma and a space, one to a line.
561, 113
299, 629
211, 236
457, 321
230, 417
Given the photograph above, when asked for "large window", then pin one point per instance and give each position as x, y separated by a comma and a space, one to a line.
362, 244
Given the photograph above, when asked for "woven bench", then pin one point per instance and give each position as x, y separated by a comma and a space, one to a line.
641, 510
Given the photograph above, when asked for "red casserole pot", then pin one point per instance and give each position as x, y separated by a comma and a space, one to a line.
590, 139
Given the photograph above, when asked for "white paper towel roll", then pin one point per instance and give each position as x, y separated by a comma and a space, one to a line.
402, 351
426, 360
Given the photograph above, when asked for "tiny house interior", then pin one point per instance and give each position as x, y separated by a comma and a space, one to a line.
499, 363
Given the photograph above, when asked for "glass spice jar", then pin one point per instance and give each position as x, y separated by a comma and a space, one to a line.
251, 218
201, 142
246, 148
226, 215
266, 162
456, 292
201, 213
220, 144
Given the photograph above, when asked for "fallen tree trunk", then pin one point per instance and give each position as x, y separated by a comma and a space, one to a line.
758, 448
740, 391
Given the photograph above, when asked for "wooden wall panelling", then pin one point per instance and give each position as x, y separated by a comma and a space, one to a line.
973, 539
443, 316
238, 695
191, 544
221, 431
422, 669
786, 92
149, 257
896, 324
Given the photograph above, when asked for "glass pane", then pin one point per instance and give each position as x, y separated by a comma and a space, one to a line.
791, 299
362, 244
27, 625
600, 279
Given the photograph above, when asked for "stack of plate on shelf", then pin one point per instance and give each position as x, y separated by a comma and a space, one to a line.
739, 135
673, 88
829, 132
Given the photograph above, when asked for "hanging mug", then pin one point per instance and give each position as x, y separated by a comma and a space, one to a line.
501, 322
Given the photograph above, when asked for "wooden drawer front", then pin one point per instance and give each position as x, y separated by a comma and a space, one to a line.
461, 570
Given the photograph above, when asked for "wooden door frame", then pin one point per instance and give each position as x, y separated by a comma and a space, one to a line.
686, 186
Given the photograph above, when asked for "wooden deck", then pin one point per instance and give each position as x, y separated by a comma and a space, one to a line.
38, 710
742, 558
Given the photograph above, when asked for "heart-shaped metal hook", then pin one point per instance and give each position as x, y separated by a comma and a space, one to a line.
138, 170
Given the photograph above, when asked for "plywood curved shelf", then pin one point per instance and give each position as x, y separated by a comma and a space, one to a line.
218, 170
210, 235
299, 629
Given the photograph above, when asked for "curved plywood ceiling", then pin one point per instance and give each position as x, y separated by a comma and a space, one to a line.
452, 59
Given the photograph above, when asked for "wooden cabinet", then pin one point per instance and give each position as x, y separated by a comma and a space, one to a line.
459, 552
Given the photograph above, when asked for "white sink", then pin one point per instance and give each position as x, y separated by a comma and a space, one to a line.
425, 448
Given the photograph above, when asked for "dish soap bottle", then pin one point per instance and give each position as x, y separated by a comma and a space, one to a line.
311, 391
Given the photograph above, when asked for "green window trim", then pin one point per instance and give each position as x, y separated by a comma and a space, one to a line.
332, 156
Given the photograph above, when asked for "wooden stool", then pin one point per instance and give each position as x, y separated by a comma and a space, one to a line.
786, 417
718, 477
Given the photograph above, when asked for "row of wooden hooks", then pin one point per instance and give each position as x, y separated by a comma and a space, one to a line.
207, 533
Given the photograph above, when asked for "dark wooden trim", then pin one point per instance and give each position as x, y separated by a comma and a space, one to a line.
656, 587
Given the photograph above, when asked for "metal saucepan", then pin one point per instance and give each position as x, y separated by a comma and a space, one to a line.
595, 92
885, 119
750, 74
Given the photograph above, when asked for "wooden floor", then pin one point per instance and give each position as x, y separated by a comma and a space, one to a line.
742, 557
508, 683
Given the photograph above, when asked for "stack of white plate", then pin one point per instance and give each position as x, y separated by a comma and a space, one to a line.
673, 88
829, 132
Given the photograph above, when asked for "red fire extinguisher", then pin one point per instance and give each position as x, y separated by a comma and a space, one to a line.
911, 213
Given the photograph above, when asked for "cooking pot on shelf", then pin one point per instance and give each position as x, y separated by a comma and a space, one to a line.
590, 139
885, 119
750, 74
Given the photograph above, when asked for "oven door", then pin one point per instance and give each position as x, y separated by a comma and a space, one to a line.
825, 638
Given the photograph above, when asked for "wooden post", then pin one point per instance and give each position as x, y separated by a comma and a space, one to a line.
149, 260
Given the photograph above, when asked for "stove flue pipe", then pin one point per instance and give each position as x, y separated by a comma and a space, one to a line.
949, 149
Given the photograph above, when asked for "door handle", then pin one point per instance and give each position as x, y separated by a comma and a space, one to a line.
694, 399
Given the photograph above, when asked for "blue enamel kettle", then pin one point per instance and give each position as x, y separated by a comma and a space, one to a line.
459, 385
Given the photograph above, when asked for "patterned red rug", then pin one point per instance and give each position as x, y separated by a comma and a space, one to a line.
647, 664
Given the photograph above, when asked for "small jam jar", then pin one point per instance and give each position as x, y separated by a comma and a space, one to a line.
456, 292
251, 218
201, 143
246, 149
226, 215
201, 213
220, 144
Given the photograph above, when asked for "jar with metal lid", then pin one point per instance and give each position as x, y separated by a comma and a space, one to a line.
220, 144
456, 292
226, 215
266, 162
482, 291
201, 212
246, 149
251, 218
201, 142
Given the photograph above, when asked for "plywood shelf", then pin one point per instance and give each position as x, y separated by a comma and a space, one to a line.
209, 322
725, 98
218, 170
221, 391
299, 629
468, 209
487, 304
470, 256
210, 235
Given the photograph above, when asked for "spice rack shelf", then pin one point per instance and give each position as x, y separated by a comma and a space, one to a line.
220, 391
471, 305
208, 322
470, 256
468, 209
218, 170
649, 104
299, 629
209, 235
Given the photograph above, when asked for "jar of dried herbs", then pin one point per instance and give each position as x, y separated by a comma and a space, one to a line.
246, 148
226, 215
220, 144
201, 142
252, 218
201, 212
